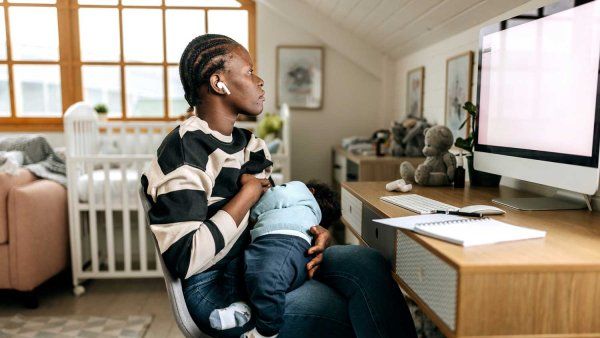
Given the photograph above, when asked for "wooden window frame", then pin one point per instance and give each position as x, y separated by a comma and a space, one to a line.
71, 65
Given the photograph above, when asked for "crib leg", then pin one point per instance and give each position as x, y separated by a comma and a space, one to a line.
78, 290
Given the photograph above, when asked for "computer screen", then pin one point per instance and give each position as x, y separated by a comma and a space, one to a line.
538, 89
539, 83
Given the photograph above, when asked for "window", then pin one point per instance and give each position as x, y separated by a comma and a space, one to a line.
122, 53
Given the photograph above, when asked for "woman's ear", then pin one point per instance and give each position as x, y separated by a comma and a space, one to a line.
214, 79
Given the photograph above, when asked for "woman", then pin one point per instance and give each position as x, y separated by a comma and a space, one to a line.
206, 177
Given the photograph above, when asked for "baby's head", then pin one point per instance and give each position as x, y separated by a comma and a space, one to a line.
328, 201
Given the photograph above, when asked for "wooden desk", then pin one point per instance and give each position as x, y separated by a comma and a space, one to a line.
546, 287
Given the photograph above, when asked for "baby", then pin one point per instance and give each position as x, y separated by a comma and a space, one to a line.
275, 261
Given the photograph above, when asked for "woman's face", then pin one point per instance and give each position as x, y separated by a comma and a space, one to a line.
247, 94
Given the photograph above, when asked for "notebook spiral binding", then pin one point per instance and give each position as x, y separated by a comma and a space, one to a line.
465, 220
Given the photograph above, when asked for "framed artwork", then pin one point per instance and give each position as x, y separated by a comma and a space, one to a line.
300, 76
414, 92
459, 73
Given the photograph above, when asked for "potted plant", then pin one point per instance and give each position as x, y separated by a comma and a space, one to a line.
477, 178
102, 111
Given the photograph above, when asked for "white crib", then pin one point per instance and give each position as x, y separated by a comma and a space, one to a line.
107, 233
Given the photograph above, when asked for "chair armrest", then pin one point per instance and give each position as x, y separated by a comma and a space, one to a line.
7, 182
38, 232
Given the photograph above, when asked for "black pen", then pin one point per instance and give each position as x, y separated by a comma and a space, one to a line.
458, 213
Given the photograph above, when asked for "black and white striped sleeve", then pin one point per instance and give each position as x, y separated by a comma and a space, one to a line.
258, 158
178, 195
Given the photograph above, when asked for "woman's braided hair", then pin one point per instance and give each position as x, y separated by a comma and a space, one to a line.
202, 57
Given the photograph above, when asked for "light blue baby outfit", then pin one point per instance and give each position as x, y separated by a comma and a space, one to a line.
288, 209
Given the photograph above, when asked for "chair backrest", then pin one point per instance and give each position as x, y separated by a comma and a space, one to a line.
174, 289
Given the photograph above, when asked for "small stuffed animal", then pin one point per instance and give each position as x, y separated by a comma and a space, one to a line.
414, 140
439, 166
398, 133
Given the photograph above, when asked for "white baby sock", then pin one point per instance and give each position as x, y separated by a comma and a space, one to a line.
235, 315
254, 334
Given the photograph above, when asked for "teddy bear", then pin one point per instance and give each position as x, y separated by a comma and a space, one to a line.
408, 138
439, 165
398, 133
414, 140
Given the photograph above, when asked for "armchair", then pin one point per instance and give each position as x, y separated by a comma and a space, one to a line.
33, 232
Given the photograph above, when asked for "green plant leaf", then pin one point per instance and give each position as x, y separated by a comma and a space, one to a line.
463, 124
470, 108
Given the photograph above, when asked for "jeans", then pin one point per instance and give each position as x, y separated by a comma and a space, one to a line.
352, 295
274, 265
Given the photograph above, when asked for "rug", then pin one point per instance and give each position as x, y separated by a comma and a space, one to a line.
74, 326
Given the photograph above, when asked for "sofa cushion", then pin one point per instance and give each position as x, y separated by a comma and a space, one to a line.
8, 181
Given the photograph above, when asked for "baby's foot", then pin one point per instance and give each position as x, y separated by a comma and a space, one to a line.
235, 315
254, 334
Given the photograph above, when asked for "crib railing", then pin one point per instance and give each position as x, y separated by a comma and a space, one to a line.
85, 220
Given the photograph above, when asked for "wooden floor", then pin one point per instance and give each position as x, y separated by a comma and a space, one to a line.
102, 298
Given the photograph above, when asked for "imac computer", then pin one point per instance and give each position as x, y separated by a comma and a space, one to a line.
539, 101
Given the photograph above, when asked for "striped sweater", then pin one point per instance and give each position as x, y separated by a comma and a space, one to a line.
194, 174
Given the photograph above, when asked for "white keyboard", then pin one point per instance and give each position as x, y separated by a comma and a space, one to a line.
417, 203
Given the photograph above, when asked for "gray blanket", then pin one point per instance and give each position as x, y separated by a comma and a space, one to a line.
38, 156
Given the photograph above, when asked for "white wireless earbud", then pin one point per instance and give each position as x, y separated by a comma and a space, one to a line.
222, 86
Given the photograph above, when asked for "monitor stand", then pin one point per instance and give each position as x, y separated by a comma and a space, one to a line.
556, 202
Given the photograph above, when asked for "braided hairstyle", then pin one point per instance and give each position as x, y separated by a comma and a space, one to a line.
203, 56
328, 201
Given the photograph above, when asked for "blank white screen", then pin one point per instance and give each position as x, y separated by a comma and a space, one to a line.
539, 82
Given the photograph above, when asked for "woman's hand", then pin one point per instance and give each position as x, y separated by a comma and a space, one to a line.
250, 192
250, 179
322, 241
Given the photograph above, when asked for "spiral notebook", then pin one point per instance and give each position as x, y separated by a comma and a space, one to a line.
476, 231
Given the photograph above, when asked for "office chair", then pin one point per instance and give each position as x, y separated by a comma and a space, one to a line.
174, 290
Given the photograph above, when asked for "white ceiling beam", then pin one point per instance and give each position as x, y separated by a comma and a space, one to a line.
344, 42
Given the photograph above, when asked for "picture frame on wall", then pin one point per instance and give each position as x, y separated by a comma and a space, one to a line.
415, 79
300, 76
459, 82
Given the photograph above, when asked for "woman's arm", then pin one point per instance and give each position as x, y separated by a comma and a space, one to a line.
240, 204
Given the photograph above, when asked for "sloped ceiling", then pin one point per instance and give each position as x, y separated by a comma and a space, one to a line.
400, 27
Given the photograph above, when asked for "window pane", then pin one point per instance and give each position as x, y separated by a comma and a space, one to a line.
177, 103
98, 2
2, 35
142, 2
233, 23
145, 93
102, 84
4, 97
99, 42
33, 1
37, 91
29, 43
142, 35
182, 26
204, 3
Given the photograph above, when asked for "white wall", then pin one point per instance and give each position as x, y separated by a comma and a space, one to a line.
351, 97
434, 59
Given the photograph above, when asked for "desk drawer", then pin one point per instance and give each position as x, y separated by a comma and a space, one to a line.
351, 210
432, 279
377, 235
